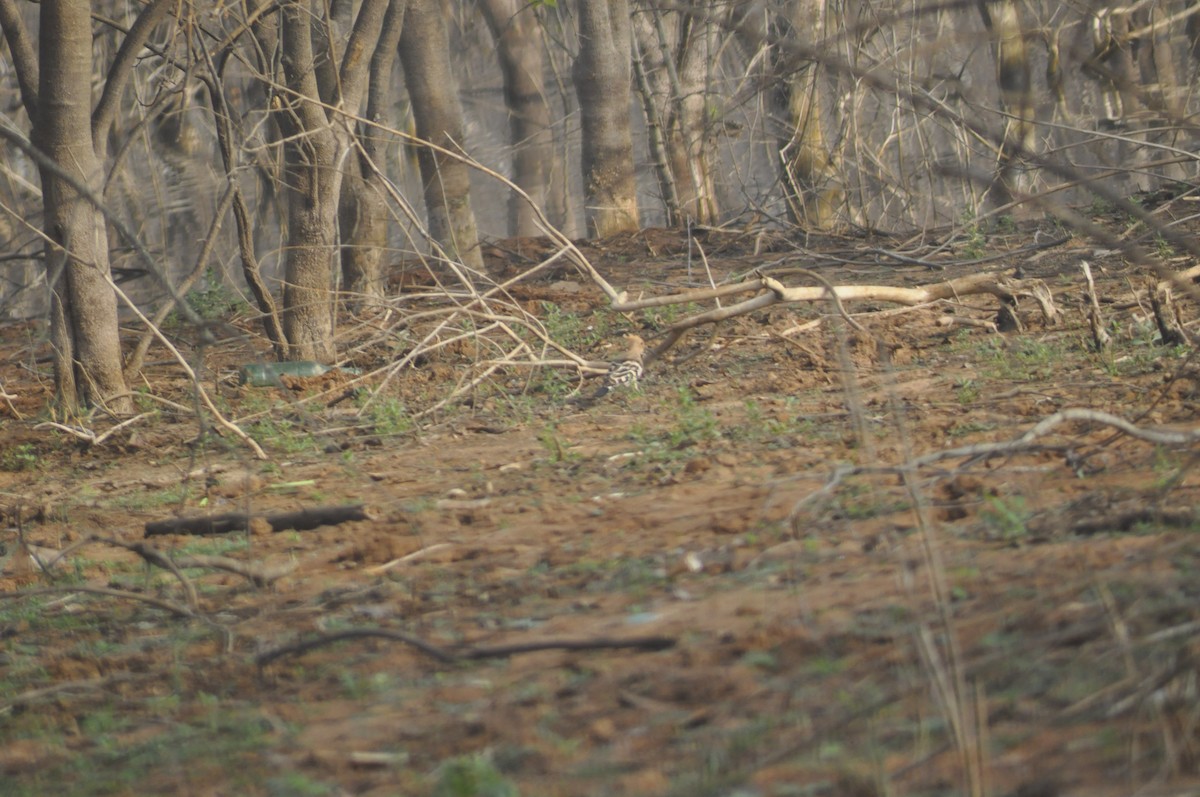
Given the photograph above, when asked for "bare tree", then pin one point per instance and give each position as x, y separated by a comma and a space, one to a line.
315, 135
1014, 77
808, 166
602, 81
425, 54
674, 51
73, 137
515, 29
363, 214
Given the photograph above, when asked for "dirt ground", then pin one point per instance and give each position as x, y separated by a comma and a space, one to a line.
725, 583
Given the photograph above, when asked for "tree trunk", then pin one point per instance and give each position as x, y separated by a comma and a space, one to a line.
602, 75
425, 53
83, 314
675, 51
1014, 77
313, 181
515, 29
311, 185
363, 215
695, 152
808, 169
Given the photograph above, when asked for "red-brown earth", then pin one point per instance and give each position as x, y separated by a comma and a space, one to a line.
813, 617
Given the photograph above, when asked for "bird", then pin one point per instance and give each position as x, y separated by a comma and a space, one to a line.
626, 370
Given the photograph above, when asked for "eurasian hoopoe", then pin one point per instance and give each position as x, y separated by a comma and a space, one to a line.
626, 370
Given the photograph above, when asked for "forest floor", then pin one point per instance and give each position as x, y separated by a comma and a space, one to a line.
725, 583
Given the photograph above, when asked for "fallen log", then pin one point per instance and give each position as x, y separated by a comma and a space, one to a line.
302, 520
464, 652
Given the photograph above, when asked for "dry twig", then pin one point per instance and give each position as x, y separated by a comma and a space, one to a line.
87, 435
464, 652
169, 606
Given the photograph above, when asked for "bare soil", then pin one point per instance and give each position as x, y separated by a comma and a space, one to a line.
800, 613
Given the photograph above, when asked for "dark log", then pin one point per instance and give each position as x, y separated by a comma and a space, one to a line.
303, 520
465, 652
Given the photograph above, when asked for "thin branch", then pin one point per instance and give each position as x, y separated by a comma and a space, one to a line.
157, 558
1043, 427
20, 48
462, 653
84, 685
417, 554
183, 363
169, 606
87, 435
323, 640
122, 68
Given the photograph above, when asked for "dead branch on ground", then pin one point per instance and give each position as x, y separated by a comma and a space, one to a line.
157, 558
8, 399
87, 435
770, 291
159, 603
1041, 428
417, 554
302, 520
464, 652
259, 577
83, 685
984, 451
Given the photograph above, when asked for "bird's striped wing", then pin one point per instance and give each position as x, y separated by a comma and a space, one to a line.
624, 373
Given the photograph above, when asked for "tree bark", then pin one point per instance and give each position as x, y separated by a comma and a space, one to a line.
808, 168
1014, 77
363, 214
675, 50
313, 181
515, 29
425, 54
20, 49
311, 184
83, 306
602, 83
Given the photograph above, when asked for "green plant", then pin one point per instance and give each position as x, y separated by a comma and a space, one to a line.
1006, 517
1100, 207
283, 434
389, 416
176, 494
974, 239
693, 423
297, 784
100, 723
359, 687
20, 457
763, 660
1163, 248
669, 314
572, 329
754, 413
967, 391
472, 776
1021, 359
214, 299
961, 428
866, 505
558, 449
